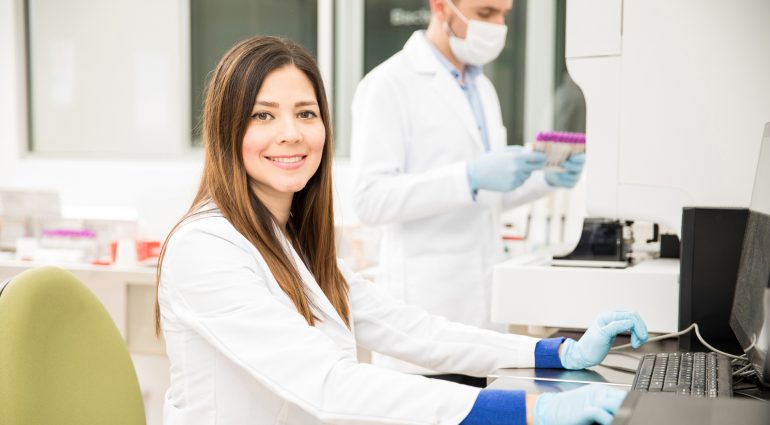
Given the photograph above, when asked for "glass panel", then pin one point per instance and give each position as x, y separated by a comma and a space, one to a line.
217, 25
387, 26
389, 23
507, 73
104, 77
569, 103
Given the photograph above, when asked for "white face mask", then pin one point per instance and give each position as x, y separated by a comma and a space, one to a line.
483, 41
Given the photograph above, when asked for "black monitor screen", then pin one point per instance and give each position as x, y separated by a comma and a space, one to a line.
750, 318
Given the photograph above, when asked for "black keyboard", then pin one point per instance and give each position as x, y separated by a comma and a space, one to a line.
685, 374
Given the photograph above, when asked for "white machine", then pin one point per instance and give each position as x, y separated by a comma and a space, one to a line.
677, 96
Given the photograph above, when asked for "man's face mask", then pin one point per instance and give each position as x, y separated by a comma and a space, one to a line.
483, 41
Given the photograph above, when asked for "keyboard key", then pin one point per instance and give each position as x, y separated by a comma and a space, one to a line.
670, 386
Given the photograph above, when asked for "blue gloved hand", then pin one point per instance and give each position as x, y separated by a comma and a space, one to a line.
593, 347
503, 170
573, 167
583, 406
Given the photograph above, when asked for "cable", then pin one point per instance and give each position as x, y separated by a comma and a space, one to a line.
749, 395
623, 353
682, 332
657, 338
744, 368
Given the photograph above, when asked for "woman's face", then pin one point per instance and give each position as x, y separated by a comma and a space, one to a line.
285, 136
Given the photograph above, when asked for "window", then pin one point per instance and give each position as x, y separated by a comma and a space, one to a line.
106, 77
218, 25
126, 77
388, 24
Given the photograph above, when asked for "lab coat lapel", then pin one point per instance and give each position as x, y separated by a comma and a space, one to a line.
319, 298
448, 88
425, 61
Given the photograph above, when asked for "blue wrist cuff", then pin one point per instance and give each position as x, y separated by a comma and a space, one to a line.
547, 353
498, 407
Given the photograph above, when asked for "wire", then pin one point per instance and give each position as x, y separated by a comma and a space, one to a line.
682, 332
623, 353
744, 368
749, 395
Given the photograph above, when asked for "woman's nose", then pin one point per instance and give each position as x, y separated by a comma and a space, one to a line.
290, 132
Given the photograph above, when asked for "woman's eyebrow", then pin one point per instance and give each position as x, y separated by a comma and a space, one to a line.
275, 104
307, 103
268, 104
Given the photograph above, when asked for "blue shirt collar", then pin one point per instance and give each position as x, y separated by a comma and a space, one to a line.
471, 71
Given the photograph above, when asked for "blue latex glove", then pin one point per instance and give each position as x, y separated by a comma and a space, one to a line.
573, 167
593, 347
503, 170
583, 406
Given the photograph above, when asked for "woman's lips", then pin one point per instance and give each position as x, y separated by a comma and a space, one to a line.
287, 162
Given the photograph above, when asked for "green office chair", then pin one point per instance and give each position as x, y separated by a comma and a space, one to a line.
62, 360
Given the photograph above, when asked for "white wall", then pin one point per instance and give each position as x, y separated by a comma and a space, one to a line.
159, 190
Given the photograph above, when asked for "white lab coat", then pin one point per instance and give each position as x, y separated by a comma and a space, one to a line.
241, 354
413, 133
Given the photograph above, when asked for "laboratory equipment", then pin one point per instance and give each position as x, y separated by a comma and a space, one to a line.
677, 96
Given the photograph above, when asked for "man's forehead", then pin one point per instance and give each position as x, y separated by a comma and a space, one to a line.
494, 4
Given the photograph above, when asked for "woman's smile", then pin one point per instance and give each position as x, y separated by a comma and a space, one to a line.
287, 162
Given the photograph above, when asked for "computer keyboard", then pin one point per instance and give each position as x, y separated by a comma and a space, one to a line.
685, 374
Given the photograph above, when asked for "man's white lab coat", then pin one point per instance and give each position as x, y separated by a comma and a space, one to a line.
413, 133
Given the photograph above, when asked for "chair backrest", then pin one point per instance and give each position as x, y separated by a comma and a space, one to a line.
62, 359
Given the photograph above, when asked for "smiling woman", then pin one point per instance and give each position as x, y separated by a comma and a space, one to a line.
284, 141
267, 166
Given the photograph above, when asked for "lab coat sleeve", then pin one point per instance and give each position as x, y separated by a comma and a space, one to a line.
384, 192
393, 328
218, 290
533, 189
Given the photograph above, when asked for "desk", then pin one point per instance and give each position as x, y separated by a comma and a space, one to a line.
537, 381
557, 380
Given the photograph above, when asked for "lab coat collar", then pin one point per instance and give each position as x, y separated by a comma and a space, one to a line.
424, 61
419, 53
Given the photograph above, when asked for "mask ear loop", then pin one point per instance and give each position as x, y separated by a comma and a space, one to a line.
455, 11
448, 30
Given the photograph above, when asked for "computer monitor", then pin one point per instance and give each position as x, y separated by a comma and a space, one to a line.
750, 317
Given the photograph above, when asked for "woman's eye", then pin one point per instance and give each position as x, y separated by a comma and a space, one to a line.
307, 114
261, 116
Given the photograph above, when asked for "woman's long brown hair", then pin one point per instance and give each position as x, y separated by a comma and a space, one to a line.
230, 97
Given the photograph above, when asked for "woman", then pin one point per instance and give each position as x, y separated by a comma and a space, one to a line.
261, 321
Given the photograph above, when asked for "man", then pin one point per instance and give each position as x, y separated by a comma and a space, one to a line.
432, 165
